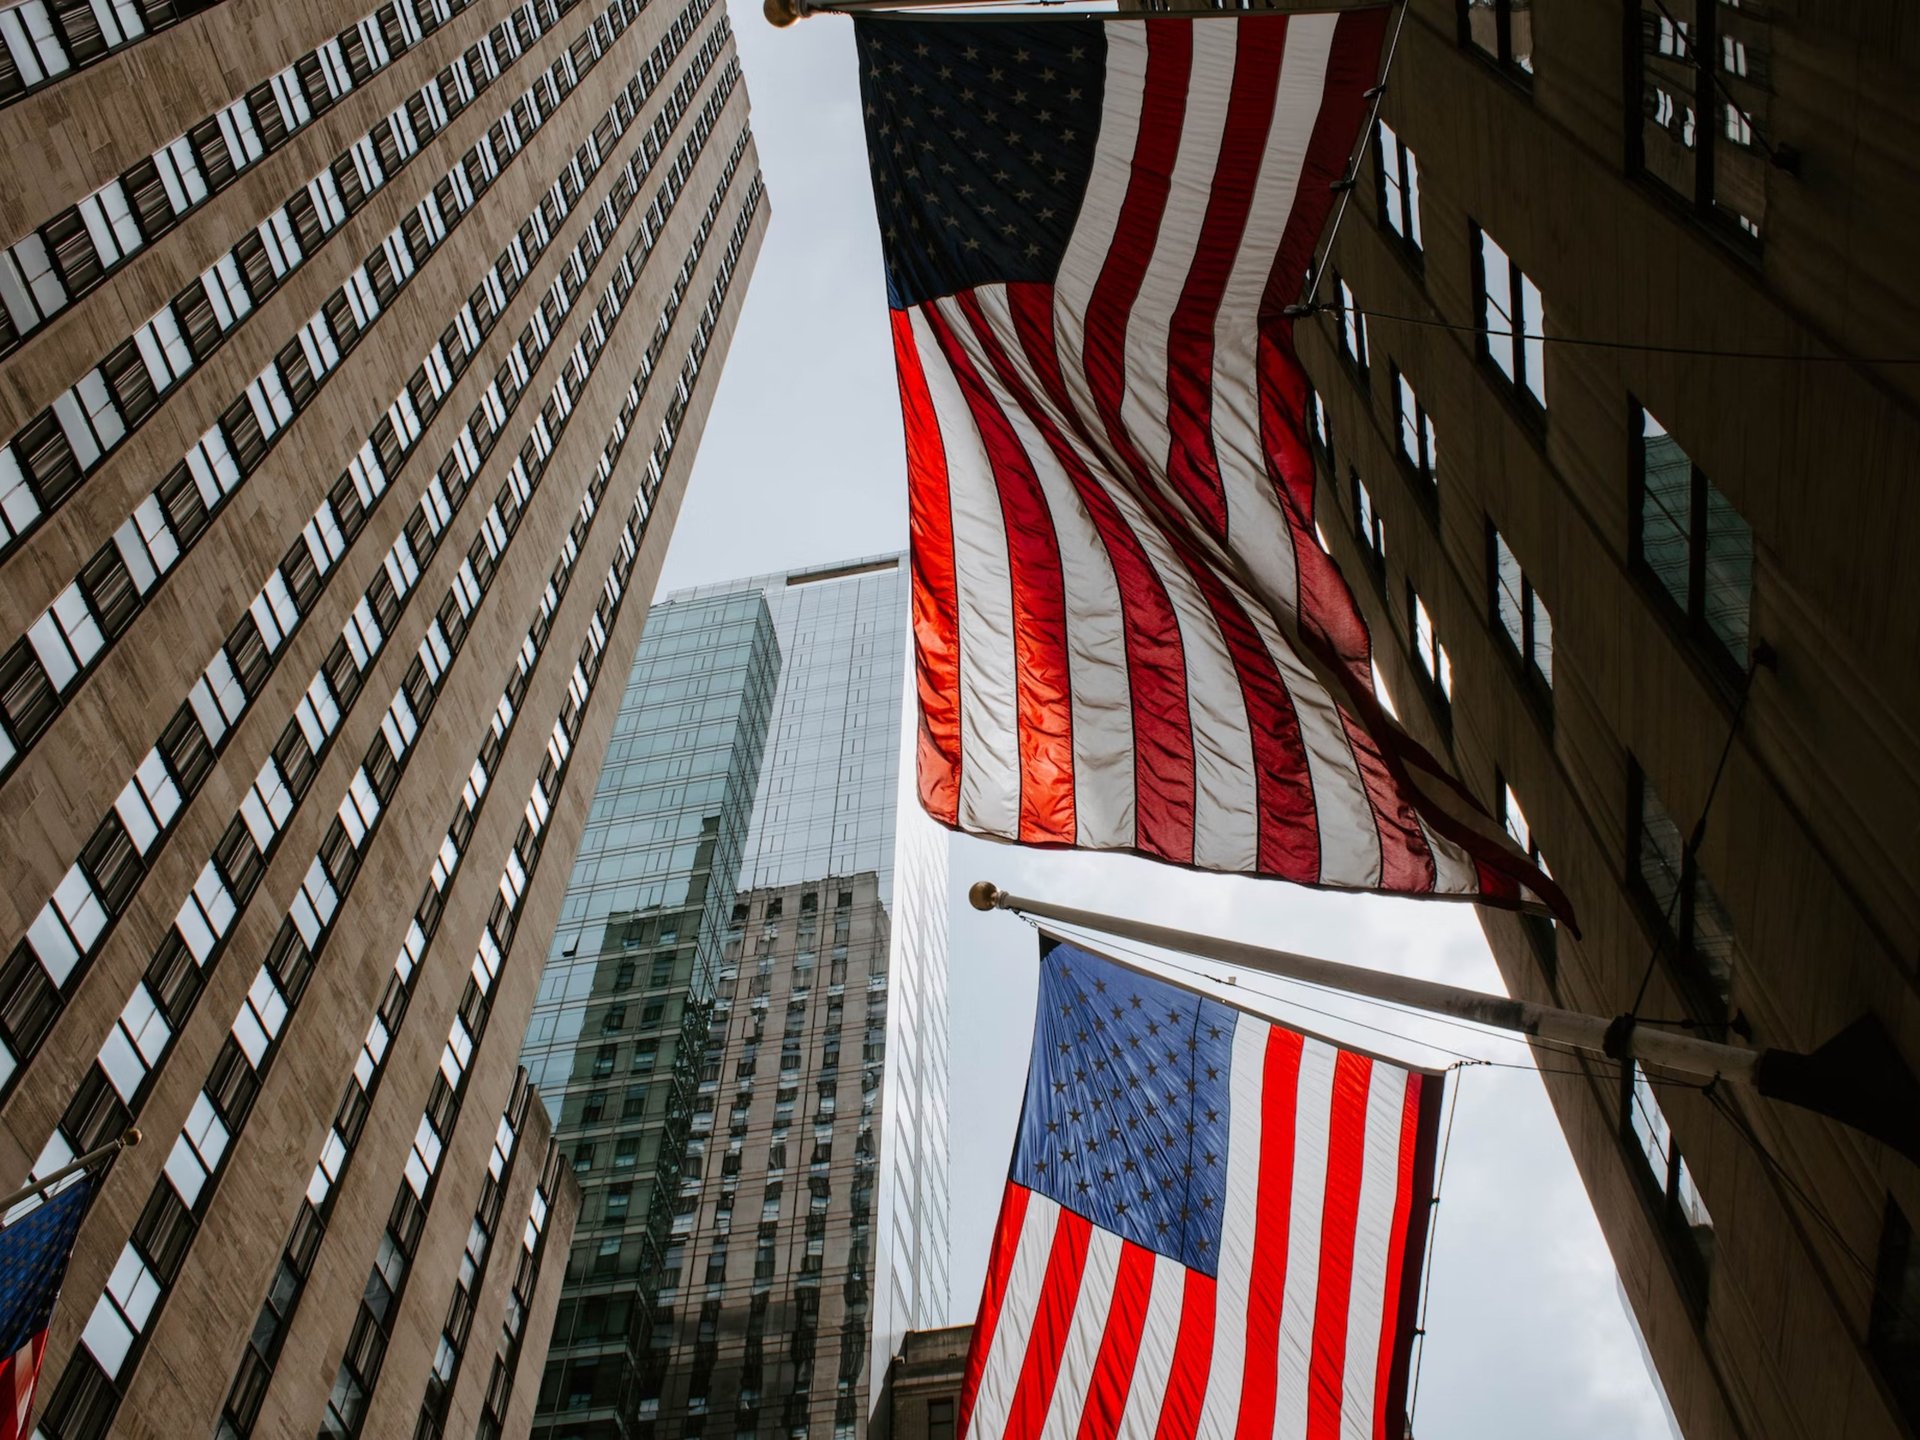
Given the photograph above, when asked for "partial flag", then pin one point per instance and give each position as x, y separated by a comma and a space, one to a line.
34, 1251
1126, 634
1213, 1225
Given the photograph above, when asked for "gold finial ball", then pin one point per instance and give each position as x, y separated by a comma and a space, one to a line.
780, 13
984, 894
132, 1136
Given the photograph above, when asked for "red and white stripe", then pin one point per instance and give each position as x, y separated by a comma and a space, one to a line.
19, 1373
1127, 636
1303, 1333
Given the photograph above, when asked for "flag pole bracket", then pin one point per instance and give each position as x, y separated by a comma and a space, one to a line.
84, 1162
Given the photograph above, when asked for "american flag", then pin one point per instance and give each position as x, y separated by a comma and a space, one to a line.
1127, 636
33, 1262
1213, 1226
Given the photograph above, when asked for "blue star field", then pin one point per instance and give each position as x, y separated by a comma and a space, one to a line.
1126, 1115
981, 138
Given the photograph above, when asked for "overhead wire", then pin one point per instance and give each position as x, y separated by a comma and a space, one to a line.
1108, 943
1329, 307
1426, 1260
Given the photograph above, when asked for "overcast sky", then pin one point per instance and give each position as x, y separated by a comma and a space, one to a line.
802, 464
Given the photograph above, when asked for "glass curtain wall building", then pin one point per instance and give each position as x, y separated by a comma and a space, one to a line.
799, 1201
619, 1036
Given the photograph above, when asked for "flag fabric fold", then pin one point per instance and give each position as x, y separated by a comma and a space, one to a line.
1213, 1226
1127, 636
34, 1251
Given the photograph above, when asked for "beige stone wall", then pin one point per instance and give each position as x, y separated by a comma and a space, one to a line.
1811, 843
96, 123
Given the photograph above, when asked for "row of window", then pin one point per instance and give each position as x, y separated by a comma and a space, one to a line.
361, 1365
60, 260
1688, 59
455, 1330
46, 966
283, 1297
1515, 608
42, 41
1686, 537
640, 1253
45, 665
526, 1279
159, 1007
87, 1395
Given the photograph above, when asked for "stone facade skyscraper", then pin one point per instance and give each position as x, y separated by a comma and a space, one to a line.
354, 358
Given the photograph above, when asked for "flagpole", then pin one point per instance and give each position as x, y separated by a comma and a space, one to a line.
1619, 1038
85, 1162
1858, 1077
1568, 1027
782, 13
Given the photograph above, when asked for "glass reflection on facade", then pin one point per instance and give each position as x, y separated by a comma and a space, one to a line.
800, 1226
619, 1035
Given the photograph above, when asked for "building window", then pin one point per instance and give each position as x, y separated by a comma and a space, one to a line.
1368, 524
1512, 320
1502, 30
1692, 542
1521, 614
1432, 655
1669, 1182
1418, 445
1687, 912
1542, 930
1353, 328
1399, 187
1515, 821
1704, 58
1320, 427
1893, 1327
